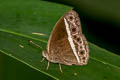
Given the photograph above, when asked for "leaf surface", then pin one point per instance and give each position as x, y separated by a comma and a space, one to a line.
27, 21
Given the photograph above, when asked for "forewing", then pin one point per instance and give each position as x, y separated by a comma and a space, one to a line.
58, 49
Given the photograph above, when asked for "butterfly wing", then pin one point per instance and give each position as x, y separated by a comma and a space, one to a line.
62, 45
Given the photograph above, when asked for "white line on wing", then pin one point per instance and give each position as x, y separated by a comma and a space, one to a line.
71, 41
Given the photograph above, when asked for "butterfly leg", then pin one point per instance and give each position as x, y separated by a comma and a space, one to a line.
48, 65
42, 59
60, 68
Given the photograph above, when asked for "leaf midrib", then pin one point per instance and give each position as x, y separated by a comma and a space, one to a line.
22, 35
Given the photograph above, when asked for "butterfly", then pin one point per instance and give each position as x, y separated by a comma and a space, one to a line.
67, 45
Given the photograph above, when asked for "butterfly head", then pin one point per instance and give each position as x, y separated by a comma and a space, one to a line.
44, 54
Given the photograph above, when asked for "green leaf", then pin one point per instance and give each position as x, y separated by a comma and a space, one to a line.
22, 21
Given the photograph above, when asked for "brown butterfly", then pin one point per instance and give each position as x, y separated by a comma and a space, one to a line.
67, 45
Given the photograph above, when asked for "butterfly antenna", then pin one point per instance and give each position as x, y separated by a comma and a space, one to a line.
35, 44
42, 59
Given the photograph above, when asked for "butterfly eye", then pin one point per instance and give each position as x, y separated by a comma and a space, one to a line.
56, 58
